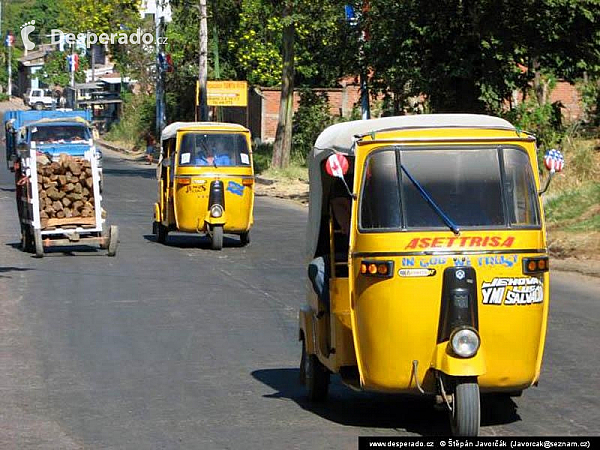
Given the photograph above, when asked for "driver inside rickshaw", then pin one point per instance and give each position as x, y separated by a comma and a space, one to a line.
213, 154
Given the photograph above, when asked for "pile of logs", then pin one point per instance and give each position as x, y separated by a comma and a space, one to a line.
65, 188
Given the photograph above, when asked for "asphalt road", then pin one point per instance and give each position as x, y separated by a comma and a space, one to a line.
178, 346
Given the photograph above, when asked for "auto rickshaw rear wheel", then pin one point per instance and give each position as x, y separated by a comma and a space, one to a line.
315, 376
466, 409
245, 238
217, 237
161, 233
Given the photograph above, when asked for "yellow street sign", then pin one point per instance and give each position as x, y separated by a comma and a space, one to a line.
227, 93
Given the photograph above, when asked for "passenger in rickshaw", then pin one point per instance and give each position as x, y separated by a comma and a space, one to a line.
319, 269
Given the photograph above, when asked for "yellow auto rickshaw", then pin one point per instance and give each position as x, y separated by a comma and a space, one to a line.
436, 280
205, 181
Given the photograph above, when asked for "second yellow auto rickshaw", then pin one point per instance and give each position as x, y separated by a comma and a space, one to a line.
205, 181
434, 278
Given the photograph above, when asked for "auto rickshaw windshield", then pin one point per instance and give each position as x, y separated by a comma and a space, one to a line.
475, 187
214, 149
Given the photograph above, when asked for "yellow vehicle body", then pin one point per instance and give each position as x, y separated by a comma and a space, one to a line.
512, 336
185, 188
386, 333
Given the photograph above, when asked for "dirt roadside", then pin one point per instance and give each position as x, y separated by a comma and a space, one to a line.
569, 252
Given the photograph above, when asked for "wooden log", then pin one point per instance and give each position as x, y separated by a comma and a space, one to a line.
72, 221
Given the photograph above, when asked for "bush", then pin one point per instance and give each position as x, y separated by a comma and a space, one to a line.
3, 97
590, 97
137, 121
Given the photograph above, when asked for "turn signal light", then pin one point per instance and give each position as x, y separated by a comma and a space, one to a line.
247, 181
379, 269
535, 265
184, 181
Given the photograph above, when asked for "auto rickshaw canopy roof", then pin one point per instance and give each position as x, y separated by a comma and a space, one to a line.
170, 131
341, 138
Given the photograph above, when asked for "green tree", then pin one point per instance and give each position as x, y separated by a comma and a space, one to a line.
56, 72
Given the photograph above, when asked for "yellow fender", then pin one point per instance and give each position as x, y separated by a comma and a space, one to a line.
157, 217
446, 362
305, 319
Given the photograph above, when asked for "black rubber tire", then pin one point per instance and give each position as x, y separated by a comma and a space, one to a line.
217, 238
27, 240
113, 241
302, 374
39, 246
161, 233
316, 377
38, 106
466, 408
245, 238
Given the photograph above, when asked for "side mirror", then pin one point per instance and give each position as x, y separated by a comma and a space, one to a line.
337, 165
554, 162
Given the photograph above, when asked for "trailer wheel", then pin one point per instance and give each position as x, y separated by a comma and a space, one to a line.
217, 237
466, 412
113, 241
27, 240
39, 246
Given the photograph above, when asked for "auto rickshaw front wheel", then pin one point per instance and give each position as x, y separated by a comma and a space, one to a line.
314, 375
245, 238
465, 416
161, 232
217, 237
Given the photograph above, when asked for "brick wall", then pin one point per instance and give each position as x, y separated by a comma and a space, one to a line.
569, 97
341, 102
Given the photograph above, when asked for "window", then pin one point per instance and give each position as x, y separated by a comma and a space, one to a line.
380, 202
203, 149
59, 134
521, 194
474, 187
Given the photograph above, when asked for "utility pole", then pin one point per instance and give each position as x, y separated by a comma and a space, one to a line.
203, 64
160, 80
217, 66
10, 38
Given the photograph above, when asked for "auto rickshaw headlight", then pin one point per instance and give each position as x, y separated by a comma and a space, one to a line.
216, 211
465, 342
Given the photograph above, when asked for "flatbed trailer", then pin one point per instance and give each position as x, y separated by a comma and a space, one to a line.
38, 234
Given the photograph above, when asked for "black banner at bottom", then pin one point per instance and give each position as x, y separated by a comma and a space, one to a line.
408, 442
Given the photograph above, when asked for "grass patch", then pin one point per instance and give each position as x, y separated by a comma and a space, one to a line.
576, 209
293, 172
262, 155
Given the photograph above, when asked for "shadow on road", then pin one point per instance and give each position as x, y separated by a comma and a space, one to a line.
12, 269
7, 189
360, 409
414, 414
193, 241
149, 173
76, 250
